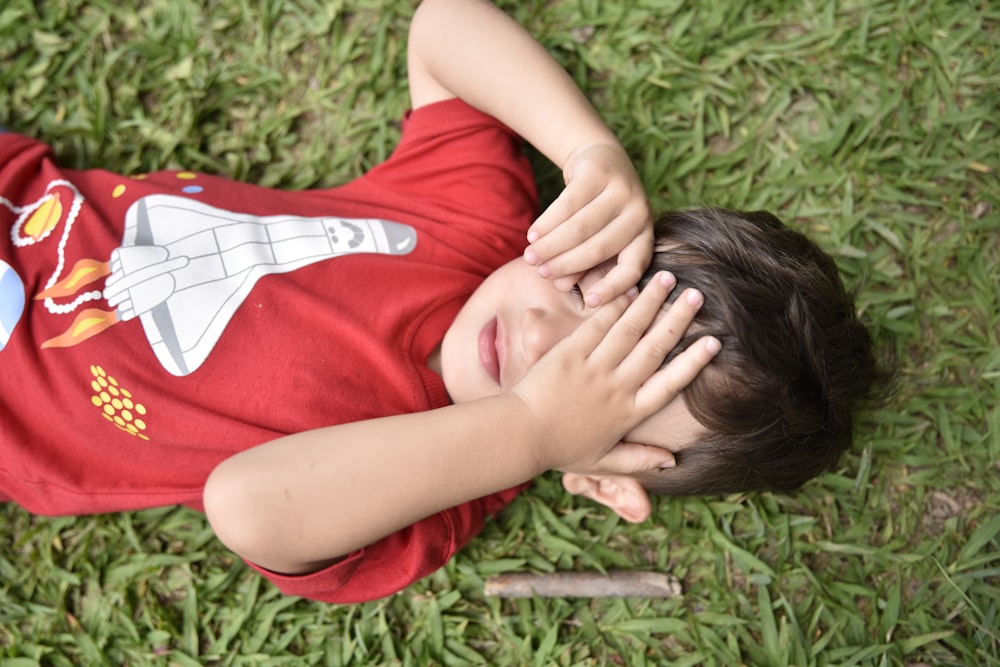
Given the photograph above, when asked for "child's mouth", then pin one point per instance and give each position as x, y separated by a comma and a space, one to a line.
488, 354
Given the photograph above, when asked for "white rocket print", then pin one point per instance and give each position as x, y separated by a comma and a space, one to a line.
184, 267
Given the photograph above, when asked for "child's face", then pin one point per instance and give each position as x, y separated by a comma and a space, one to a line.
513, 319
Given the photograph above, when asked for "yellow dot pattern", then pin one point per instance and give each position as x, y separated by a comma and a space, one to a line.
117, 404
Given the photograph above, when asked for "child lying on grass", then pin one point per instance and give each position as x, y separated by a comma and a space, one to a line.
348, 381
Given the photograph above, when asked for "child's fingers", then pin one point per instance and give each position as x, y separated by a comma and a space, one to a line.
668, 382
625, 273
575, 196
629, 458
566, 283
662, 336
593, 331
629, 332
586, 230
580, 245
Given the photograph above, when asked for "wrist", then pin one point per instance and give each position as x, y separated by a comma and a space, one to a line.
606, 144
607, 159
529, 431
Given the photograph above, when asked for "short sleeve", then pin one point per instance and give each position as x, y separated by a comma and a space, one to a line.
20, 160
396, 561
454, 158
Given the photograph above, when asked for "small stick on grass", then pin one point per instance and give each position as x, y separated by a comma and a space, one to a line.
623, 584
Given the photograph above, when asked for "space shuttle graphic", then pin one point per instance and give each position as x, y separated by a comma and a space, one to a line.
185, 267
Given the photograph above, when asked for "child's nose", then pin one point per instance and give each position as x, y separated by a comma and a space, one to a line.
540, 331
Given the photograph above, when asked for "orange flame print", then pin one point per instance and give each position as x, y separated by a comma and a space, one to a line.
84, 272
88, 323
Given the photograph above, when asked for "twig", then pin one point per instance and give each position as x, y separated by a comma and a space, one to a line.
623, 584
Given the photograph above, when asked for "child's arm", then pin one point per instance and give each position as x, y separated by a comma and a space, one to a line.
300, 502
472, 50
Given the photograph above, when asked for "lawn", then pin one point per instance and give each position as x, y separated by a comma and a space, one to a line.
871, 125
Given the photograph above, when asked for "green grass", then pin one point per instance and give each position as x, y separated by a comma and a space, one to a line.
871, 125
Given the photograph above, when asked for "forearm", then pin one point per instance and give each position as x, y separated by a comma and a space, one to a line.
472, 50
302, 501
299, 502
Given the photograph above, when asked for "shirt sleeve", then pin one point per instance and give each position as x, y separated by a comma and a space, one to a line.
462, 171
20, 158
395, 561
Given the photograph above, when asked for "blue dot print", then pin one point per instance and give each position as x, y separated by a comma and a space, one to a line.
11, 301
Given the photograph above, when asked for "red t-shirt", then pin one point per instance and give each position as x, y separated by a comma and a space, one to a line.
152, 326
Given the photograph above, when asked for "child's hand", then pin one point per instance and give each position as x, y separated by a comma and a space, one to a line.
603, 380
602, 212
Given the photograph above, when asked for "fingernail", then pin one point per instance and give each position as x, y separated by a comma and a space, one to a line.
592, 300
667, 279
713, 345
544, 271
669, 463
632, 292
693, 297
530, 257
532, 236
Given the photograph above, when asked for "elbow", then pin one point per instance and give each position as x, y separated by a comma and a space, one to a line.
249, 521
245, 517
229, 511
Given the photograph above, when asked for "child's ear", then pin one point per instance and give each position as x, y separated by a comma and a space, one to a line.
625, 495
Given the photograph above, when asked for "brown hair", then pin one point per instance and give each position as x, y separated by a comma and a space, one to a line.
778, 400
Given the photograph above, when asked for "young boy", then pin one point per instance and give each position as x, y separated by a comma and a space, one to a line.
348, 381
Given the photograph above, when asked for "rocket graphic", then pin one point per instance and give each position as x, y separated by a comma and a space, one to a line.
185, 267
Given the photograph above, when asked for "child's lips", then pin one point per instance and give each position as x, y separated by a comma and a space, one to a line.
489, 355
